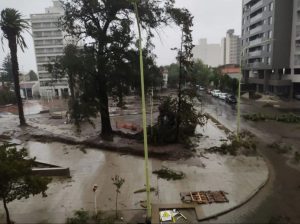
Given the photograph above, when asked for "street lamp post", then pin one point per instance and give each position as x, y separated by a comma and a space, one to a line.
143, 112
95, 187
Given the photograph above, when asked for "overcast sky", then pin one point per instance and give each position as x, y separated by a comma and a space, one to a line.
212, 18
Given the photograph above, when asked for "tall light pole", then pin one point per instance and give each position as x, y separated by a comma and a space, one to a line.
95, 197
143, 112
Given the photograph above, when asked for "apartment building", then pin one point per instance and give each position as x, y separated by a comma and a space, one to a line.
267, 27
49, 42
294, 76
209, 54
231, 48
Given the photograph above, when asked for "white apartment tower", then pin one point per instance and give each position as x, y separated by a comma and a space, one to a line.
209, 54
49, 43
231, 48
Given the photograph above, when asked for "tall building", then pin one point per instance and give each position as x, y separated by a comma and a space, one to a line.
209, 54
49, 42
266, 44
295, 50
231, 48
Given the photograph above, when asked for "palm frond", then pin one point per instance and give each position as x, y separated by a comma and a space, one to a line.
12, 24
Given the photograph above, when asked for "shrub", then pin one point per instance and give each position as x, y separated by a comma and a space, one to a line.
165, 130
80, 217
7, 97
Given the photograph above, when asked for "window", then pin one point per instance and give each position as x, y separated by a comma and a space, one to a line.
270, 20
270, 34
269, 61
269, 48
271, 6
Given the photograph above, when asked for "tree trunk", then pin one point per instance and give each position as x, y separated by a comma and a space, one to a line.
15, 70
106, 129
178, 118
6, 211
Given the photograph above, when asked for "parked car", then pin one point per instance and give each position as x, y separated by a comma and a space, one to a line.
222, 96
215, 92
231, 99
201, 88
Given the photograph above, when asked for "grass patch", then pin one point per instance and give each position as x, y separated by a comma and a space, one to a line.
285, 118
168, 174
280, 147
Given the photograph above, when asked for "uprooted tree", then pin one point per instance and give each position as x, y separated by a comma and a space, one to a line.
17, 178
109, 24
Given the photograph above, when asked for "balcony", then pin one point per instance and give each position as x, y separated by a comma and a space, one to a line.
255, 18
255, 6
255, 30
246, 1
277, 82
255, 42
256, 81
255, 53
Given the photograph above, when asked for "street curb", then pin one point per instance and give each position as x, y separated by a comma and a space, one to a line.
252, 195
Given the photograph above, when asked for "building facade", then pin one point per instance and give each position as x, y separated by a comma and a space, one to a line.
231, 48
209, 54
49, 43
266, 45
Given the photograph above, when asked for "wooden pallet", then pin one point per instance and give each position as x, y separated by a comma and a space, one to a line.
207, 197
199, 197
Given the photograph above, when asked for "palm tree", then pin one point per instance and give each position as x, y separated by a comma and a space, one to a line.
12, 26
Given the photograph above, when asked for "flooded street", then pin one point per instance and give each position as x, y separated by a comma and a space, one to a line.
238, 176
278, 201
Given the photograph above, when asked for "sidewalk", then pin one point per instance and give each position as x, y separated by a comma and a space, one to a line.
241, 177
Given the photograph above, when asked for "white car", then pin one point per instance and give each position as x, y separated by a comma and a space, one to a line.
215, 93
222, 96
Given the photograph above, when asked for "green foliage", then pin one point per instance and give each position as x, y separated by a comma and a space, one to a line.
80, 217
7, 97
7, 75
32, 76
280, 147
12, 26
168, 174
285, 118
244, 144
173, 75
164, 131
17, 178
109, 25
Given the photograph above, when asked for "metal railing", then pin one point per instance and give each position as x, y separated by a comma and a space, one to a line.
255, 18
255, 6
255, 30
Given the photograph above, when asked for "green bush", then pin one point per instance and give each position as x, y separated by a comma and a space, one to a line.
286, 118
280, 147
80, 217
7, 97
244, 144
165, 130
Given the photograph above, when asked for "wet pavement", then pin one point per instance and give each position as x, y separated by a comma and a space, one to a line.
278, 201
239, 176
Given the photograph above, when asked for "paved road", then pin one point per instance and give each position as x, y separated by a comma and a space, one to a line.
279, 200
